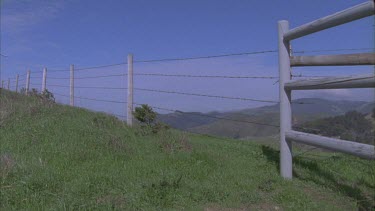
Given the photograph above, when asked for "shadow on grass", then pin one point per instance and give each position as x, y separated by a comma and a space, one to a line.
323, 177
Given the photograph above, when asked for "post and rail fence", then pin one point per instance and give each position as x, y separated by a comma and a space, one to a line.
287, 61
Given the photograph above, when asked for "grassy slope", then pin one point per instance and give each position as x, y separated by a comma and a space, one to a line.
70, 158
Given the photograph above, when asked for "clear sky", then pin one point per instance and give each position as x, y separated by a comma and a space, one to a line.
57, 33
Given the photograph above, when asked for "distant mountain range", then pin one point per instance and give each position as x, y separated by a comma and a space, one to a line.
238, 124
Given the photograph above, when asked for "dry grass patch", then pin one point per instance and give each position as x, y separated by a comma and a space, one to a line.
173, 143
7, 162
115, 201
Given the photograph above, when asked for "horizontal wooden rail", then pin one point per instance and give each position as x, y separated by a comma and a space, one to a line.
358, 149
333, 60
345, 16
360, 81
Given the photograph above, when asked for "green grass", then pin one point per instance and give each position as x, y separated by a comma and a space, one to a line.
55, 157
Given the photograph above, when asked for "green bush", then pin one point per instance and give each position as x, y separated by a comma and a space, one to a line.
147, 117
47, 95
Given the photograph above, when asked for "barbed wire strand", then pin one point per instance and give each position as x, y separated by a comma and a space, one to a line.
203, 76
206, 57
167, 59
171, 92
172, 75
205, 95
89, 77
101, 66
83, 87
92, 99
88, 68
203, 57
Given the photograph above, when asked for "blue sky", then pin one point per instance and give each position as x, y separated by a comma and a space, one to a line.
55, 34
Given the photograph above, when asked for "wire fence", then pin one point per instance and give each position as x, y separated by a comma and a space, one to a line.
114, 80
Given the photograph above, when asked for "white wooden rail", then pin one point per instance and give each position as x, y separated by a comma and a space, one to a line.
333, 60
354, 13
286, 61
361, 150
360, 81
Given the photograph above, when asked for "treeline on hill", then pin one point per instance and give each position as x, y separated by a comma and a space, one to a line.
352, 126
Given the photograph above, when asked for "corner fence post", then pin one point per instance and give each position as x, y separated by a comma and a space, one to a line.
17, 77
130, 91
8, 84
27, 82
44, 80
285, 102
72, 85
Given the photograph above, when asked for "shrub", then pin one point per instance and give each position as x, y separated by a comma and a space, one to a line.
147, 117
47, 95
33, 92
23, 90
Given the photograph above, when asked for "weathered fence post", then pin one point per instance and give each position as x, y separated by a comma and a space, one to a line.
8, 85
130, 91
17, 77
285, 102
27, 82
72, 85
44, 80
2, 84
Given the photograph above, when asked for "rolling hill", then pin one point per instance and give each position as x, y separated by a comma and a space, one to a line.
218, 123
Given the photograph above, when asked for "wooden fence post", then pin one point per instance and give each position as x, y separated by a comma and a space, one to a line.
44, 80
286, 159
27, 82
8, 85
17, 77
72, 85
2, 84
130, 91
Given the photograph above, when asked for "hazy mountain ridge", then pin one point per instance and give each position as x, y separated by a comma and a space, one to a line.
306, 109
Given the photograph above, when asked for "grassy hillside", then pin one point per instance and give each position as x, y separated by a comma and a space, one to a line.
306, 109
54, 157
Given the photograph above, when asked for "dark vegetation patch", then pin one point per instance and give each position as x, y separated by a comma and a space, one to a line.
352, 126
